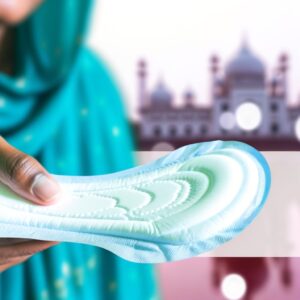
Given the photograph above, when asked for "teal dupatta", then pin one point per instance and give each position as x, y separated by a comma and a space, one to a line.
63, 107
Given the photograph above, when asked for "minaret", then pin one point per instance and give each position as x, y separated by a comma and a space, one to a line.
283, 69
142, 85
273, 86
214, 62
214, 69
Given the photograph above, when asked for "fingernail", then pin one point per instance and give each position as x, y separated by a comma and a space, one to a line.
45, 188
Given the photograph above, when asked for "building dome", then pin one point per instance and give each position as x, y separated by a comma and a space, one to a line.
245, 64
161, 96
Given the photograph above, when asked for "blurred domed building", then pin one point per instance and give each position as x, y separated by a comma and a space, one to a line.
246, 106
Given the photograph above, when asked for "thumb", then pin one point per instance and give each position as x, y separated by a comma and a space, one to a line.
26, 177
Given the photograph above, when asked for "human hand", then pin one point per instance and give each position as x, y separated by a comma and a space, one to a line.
26, 177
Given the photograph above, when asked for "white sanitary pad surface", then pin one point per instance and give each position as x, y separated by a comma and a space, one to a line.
179, 206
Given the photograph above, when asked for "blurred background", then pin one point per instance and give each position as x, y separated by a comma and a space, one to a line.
202, 70
194, 70
231, 278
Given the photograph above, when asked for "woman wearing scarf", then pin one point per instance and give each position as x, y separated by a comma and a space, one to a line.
59, 104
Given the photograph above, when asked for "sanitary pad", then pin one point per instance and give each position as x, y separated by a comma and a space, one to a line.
181, 205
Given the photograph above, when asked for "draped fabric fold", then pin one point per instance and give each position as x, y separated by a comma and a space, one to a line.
62, 106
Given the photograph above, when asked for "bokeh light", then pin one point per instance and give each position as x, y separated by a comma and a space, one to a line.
297, 129
227, 120
248, 116
233, 287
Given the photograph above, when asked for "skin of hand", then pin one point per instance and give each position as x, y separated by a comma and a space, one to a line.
26, 177
21, 173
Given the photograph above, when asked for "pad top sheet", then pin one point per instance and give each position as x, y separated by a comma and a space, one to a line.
186, 203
